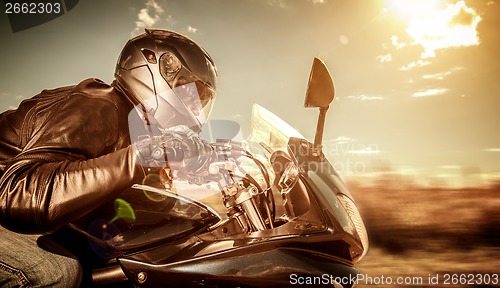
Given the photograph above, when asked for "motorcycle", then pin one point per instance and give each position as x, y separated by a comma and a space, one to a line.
271, 212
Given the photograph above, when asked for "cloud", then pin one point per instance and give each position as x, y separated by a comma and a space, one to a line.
464, 17
7, 97
454, 26
340, 140
384, 58
287, 3
405, 170
452, 167
278, 3
492, 150
437, 76
365, 151
145, 20
442, 75
363, 97
433, 26
430, 92
192, 30
414, 64
347, 146
148, 17
396, 43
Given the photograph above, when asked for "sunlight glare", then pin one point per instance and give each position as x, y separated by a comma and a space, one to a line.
435, 26
413, 8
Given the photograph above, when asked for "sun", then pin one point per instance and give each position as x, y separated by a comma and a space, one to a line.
435, 24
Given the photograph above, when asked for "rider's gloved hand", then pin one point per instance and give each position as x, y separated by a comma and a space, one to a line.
157, 150
198, 154
180, 147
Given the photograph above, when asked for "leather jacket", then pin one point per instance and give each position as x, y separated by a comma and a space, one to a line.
63, 153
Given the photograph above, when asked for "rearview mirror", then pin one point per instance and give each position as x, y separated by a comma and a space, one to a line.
320, 93
320, 90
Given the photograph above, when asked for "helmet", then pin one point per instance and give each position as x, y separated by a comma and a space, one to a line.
168, 75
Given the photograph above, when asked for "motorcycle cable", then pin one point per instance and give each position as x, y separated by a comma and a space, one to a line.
268, 191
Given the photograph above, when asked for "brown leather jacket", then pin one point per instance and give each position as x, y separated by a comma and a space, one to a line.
62, 153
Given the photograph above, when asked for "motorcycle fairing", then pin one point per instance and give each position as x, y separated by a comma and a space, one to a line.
265, 258
195, 243
268, 268
165, 218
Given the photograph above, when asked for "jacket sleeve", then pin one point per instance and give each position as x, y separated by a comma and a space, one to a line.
39, 196
70, 164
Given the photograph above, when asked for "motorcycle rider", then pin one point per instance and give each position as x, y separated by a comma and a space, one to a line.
68, 150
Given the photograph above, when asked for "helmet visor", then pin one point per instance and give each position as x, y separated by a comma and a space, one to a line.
188, 104
197, 96
186, 99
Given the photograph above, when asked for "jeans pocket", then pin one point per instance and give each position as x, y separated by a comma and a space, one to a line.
16, 277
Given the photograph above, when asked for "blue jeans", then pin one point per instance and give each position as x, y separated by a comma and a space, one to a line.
35, 261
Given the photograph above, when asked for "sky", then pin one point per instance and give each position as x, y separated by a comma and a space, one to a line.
417, 81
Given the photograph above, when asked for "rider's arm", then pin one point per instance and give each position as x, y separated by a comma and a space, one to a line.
70, 165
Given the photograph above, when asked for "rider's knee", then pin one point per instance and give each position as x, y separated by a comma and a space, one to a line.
59, 272
71, 274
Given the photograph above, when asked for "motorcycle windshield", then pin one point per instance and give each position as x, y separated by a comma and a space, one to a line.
270, 131
324, 203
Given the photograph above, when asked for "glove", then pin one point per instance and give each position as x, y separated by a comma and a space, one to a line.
181, 148
197, 156
156, 151
197, 153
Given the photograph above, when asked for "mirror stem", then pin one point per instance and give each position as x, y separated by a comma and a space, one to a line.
318, 139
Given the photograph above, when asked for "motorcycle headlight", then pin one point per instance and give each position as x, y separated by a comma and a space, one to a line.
355, 217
